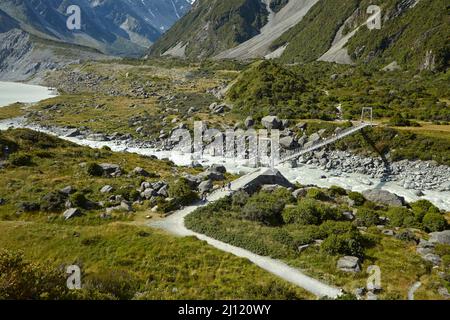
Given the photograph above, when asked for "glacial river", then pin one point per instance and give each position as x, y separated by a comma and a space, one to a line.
305, 174
11, 92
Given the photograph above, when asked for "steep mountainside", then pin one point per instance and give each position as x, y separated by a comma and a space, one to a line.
213, 26
119, 27
414, 33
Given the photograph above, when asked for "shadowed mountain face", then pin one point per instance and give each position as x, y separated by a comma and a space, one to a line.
117, 27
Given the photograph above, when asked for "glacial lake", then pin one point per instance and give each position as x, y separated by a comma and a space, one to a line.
11, 92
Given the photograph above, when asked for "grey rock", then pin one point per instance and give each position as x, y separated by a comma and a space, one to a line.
111, 169
299, 193
371, 296
303, 248
71, 213
164, 191
384, 197
73, 133
249, 122
138, 171
288, 142
68, 190
315, 137
433, 258
271, 122
126, 206
349, 264
107, 189
205, 186
148, 194
349, 215
440, 237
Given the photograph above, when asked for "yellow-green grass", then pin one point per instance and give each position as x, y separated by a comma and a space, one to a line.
400, 265
12, 111
430, 130
64, 164
98, 113
162, 266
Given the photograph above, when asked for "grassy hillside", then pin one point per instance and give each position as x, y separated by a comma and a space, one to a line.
119, 256
415, 36
313, 36
408, 35
213, 26
276, 224
121, 261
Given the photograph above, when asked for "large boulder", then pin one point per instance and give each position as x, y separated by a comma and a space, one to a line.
205, 186
440, 237
265, 177
288, 142
315, 137
349, 264
271, 122
111, 169
384, 197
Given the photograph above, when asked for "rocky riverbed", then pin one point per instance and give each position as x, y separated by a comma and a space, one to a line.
412, 175
412, 180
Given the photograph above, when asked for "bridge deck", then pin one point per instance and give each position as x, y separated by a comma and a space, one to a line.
293, 154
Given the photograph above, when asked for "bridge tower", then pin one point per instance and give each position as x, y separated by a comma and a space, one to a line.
367, 112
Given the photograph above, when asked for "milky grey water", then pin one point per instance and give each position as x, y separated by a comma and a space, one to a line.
11, 92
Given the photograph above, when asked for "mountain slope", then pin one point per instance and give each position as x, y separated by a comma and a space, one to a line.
278, 23
211, 27
119, 27
414, 33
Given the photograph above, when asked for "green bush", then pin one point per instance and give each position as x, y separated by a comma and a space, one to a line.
182, 193
434, 222
239, 199
93, 169
367, 218
309, 211
305, 213
306, 234
349, 243
20, 159
400, 217
316, 194
336, 227
421, 208
357, 197
265, 207
337, 191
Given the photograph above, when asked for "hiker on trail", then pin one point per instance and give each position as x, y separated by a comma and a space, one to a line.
229, 186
